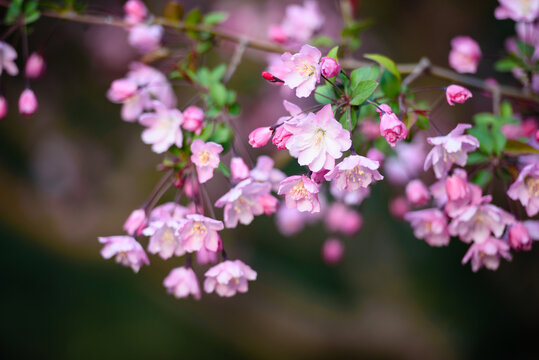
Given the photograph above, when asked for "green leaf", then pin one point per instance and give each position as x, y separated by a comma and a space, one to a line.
505, 65
385, 62
333, 53
499, 140
518, 148
218, 73
204, 46
204, 77
214, 18
525, 49
31, 17
218, 94
321, 40
234, 109
485, 119
482, 178
223, 135
476, 158
13, 12
422, 122
486, 141
224, 169
363, 90
389, 84
324, 94
362, 74
193, 17
506, 110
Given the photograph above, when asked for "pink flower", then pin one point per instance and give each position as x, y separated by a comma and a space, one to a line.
182, 282
282, 135
355, 197
239, 169
329, 67
228, 277
370, 128
122, 89
7, 59
320, 176
517, 10
269, 203
457, 94
135, 222
417, 193
198, 231
35, 66
145, 38
390, 126
340, 218
162, 128
264, 172
375, 155
163, 238
487, 253
204, 256
3, 107
276, 33
206, 158
242, 203
317, 140
301, 193
280, 138
193, 118
27, 102
135, 12
407, 162
450, 149
289, 221
459, 192
354, 172
260, 136
127, 250
332, 251
465, 54
430, 225
398, 207
519, 238
301, 22
168, 211
304, 70
526, 188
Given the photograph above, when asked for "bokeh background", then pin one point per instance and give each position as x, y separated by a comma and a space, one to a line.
74, 171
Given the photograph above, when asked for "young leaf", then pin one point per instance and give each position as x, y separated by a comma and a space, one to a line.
389, 84
385, 62
362, 74
218, 94
214, 18
517, 148
363, 90
324, 94
333, 53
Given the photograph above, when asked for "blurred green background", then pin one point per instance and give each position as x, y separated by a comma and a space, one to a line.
74, 171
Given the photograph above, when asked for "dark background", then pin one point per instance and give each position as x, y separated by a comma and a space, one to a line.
74, 171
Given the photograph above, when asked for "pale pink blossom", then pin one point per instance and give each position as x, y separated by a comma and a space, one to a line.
193, 118
205, 256
354, 172
182, 282
35, 66
127, 251
317, 140
430, 225
398, 207
27, 102
417, 193
135, 222
391, 128
163, 128
370, 128
320, 176
517, 10
145, 38
526, 188
329, 67
355, 197
242, 203
301, 193
519, 238
238, 169
459, 192
407, 162
375, 155
168, 211
198, 231
269, 203
163, 238
265, 172
487, 254
450, 149
301, 22
135, 12
228, 277
276, 33
465, 54
7, 59
282, 135
277, 68
290, 221
259, 137
332, 251
303, 70
341, 218
3, 107
457, 94
206, 158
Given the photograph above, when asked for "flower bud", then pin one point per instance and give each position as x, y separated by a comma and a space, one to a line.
260, 137
280, 137
537, 136
135, 222
269, 203
270, 77
3, 107
239, 169
417, 193
391, 128
193, 118
276, 33
456, 187
35, 66
457, 94
376, 155
519, 238
135, 11
329, 67
332, 251
27, 102
319, 176
398, 207
121, 89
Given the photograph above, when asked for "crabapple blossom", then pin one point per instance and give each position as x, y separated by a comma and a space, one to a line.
370, 128
162, 128
320, 176
27, 102
182, 282
238, 169
126, 249
517, 10
332, 251
417, 193
163, 238
391, 128
354, 172
198, 231
228, 277
205, 256
206, 158
7, 59
259, 137
135, 222
145, 38
300, 193
355, 197
398, 207
430, 225
299, 24
317, 140
340, 218
487, 254
450, 149
193, 117
281, 135
526, 188
375, 155
276, 33
407, 162
465, 54
35, 66
168, 211
457, 94
519, 238
303, 70
135, 12
269, 203
290, 221
3, 107
264, 172
329, 67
